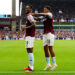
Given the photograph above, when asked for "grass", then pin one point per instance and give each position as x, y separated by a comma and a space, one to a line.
13, 57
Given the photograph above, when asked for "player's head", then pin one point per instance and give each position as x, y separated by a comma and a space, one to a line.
28, 9
47, 9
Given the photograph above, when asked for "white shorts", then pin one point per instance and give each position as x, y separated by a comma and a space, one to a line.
48, 39
30, 41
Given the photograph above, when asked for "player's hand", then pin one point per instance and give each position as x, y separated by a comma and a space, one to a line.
23, 28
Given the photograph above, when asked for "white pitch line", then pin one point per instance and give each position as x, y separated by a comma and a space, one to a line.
38, 72
57, 72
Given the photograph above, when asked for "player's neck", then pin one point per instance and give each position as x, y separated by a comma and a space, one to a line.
29, 13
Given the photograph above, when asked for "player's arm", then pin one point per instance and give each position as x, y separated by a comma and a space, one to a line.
38, 18
40, 14
43, 14
33, 24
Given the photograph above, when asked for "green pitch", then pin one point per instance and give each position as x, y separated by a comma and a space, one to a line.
13, 58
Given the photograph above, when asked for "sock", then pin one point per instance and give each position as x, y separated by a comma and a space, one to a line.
31, 60
48, 60
53, 60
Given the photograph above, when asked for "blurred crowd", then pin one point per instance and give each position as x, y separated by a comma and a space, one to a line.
59, 35
68, 35
63, 10
9, 35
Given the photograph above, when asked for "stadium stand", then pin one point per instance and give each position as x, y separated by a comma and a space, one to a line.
59, 35
66, 6
62, 9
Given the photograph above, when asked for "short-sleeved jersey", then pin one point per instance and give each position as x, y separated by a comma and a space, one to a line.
30, 31
48, 24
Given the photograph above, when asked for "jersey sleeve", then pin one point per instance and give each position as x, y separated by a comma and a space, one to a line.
50, 15
41, 17
30, 18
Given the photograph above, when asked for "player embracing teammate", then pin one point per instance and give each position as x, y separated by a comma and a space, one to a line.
48, 37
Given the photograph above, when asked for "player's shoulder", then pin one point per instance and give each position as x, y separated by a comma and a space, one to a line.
50, 14
30, 16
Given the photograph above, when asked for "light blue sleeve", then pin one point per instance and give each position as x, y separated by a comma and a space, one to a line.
41, 17
30, 18
50, 15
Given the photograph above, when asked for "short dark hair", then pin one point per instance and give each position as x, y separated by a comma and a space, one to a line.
30, 6
48, 7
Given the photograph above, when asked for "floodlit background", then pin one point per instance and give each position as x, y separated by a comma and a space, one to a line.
6, 7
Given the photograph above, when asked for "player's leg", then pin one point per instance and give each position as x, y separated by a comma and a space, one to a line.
51, 51
51, 44
31, 59
47, 57
29, 46
30, 53
46, 53
53, 58
52, 54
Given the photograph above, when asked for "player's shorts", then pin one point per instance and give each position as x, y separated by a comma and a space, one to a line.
48, 39
29, 42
